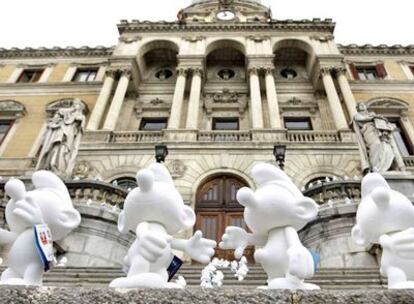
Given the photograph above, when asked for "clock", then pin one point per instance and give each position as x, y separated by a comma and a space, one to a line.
225, 15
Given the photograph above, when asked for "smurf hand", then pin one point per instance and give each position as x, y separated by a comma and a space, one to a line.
200, 249
301, 263
28, 210
151, 245
235, 238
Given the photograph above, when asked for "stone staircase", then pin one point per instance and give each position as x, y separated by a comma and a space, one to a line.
326, 278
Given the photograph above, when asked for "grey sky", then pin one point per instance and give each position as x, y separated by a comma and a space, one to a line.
50, 23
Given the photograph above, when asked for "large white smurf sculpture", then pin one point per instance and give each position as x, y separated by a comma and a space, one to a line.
274, 213
35, 218
156, 211
386, 217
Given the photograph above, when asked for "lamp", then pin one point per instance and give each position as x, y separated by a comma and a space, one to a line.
161, 152
279, 151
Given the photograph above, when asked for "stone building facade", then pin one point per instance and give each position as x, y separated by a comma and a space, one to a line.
220, 87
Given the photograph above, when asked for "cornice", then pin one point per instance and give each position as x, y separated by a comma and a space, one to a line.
382, 49
306, 25
84, 51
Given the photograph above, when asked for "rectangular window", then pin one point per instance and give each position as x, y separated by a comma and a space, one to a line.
368, 72
153, 124
85, 75
298, 123
30, 76
4, 129
401, 138
225, 124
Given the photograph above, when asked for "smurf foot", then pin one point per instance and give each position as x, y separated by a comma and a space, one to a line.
290, 283
144, 280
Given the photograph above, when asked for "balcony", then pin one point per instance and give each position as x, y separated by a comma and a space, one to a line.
202, 136
335, 192
85, 192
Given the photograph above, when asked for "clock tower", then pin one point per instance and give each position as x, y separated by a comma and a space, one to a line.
226, 11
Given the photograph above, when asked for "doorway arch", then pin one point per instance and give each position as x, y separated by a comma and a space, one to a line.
217, 207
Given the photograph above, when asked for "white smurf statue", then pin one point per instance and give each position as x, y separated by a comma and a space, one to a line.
35, 218
386, 217
274, 213
156, 211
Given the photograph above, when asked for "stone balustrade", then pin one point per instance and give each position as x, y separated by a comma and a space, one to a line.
265, 135
136, 136
224, 136
335, 191
86, 192
313, 136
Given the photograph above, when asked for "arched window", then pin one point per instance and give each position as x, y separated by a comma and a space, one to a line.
127, 183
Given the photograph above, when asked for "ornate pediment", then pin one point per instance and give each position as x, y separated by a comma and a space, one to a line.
155, 104
11, 109
297, 105
225, 100
388, 105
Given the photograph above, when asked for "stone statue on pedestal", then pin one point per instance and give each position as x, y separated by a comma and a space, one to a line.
374, 134
62, 139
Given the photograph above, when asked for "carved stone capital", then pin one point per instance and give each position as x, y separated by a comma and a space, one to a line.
111, 72
339, 71
326, 71
198, 71
182, 72
126, 71
194, 38
253, 71
269, 71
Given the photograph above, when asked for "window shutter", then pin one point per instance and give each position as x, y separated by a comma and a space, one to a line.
382, 73
354, 71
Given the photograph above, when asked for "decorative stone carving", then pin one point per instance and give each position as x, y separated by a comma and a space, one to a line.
11, 108
194, 38
296, 105
388, 105
156, 211
84, 170
62, 137
47, 208
274, 213
225, 100
374, 134
386, 217
177, 168
129, 39
155, 104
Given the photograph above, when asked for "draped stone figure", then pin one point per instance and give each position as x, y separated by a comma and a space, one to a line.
374, 134
62, 138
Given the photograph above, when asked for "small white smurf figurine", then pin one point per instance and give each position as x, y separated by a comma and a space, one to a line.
36, 219
156, 211
274, 213
386, 217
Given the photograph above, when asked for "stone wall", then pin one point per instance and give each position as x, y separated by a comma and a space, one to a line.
56, 295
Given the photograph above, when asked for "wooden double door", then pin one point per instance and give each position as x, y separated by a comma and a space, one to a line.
217, 208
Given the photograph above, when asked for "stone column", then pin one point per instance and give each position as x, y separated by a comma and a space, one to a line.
101, 103
194, 102
274, 115
116, 104
255, 99
346, 92
333, 99
178, 99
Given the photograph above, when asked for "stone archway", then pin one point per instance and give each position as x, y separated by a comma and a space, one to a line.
217, 207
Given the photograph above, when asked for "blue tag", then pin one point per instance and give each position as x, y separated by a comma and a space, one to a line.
175, 265
316, 258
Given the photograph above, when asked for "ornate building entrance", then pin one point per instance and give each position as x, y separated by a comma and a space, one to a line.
217, 208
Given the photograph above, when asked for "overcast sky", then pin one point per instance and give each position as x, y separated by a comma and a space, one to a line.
48, 23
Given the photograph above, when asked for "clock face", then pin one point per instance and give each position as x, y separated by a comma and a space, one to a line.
225, 15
